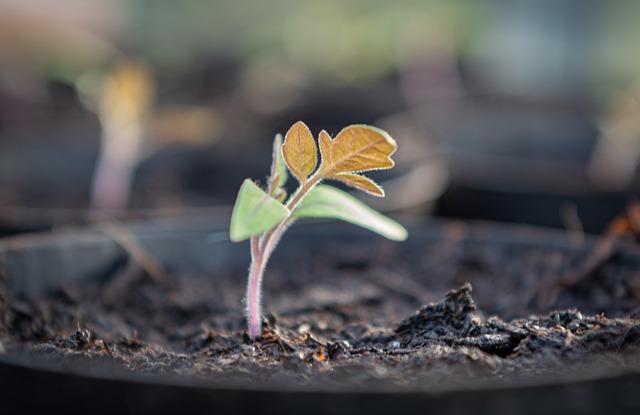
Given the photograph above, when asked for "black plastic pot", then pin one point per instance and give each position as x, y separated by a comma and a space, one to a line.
44, 188
34, 264
48, 151
526, 162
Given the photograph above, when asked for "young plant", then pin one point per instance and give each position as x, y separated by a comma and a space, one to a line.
263, 215
133, 128
123, 101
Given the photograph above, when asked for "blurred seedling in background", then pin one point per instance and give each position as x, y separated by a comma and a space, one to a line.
616, 156
124, 100
263, 215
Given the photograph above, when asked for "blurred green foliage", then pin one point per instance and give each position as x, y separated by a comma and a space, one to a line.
357, 40
354, 40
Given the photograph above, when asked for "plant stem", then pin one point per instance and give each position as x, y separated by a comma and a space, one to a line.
271, 238
261, 249
254, 312
119, 150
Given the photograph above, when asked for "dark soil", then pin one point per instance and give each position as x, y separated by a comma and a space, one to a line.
382, 314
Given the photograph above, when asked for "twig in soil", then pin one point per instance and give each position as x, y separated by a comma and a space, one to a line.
128, 241
606, 248
573, 224
604, 251
119, 284
142, 263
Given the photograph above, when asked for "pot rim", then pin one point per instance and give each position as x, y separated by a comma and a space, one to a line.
469, 231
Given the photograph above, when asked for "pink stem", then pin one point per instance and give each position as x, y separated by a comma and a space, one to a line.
254, 311
119, 150
256, 270
260, 253
111, 189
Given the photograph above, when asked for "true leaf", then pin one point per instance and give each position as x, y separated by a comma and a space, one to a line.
300, 151
325, 142
360, 182
278, 176
325, 201
357, 148
254, 212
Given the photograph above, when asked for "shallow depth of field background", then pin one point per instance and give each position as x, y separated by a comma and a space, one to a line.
522, 111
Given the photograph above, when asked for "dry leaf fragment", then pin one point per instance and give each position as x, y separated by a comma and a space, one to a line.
360, 182
356, 148
300, 151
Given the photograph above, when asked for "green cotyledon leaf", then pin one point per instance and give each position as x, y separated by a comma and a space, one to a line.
325, 201
254, 212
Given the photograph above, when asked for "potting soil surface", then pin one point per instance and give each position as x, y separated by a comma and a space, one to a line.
389, 315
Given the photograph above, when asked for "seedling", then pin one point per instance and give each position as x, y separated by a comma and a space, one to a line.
123, 102
124, 99
262, 216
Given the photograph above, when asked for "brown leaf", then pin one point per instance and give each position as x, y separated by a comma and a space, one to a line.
325, 142
360, 182
356, 148
300, 151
